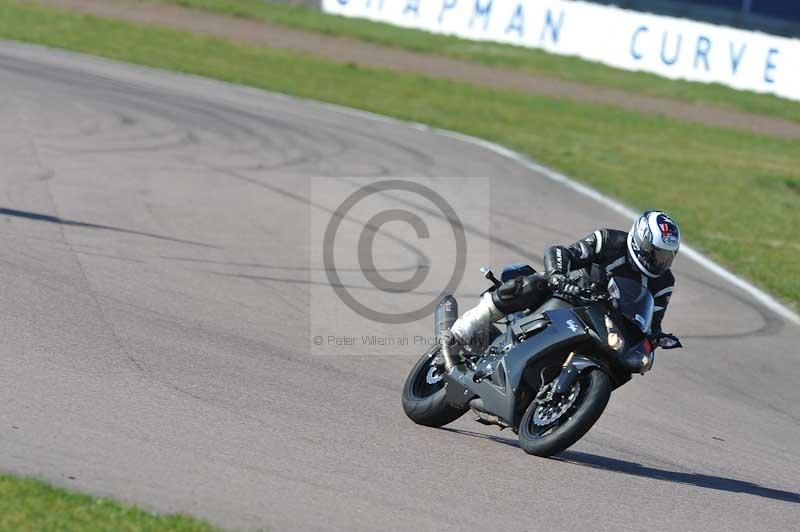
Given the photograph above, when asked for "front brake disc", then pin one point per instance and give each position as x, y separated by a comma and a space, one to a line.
548, 413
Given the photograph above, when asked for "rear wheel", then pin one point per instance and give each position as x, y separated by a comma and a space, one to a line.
549, 428
424, 393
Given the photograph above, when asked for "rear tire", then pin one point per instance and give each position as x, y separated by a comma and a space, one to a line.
593, 398
424, 403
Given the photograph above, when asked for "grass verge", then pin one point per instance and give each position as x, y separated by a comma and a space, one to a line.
735, 194
494, 54
27, 504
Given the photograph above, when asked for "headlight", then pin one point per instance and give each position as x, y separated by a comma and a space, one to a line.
614, 339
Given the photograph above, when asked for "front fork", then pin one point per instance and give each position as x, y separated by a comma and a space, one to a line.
562, 384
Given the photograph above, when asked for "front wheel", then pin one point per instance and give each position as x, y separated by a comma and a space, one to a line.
424, 393
549, 428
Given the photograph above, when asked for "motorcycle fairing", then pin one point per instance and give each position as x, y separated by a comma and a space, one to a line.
564, 331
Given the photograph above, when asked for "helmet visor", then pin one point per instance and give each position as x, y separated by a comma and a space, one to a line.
657, 260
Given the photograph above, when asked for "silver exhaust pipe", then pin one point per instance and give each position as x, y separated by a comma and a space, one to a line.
445, 316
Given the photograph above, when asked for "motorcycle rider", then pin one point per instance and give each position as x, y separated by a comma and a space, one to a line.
644, 253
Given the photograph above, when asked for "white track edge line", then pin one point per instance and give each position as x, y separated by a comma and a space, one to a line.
756, 293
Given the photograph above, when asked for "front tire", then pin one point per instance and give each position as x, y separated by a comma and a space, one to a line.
424, 394
541, 439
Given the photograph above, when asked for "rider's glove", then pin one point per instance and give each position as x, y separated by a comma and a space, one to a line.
561, 283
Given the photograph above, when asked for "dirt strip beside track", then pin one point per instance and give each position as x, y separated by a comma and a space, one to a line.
345, 50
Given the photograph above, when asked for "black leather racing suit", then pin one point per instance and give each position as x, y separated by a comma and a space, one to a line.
607, 250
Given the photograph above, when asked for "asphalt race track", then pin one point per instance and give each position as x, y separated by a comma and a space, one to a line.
155, 277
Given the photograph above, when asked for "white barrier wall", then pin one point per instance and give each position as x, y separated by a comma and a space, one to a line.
671, 47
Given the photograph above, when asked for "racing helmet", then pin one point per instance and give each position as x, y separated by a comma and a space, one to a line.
653, 242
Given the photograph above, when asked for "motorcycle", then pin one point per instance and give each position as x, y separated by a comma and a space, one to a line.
549, 375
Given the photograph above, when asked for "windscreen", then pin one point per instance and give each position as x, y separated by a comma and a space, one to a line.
635, 302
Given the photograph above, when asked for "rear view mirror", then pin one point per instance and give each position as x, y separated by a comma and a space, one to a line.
669, 341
